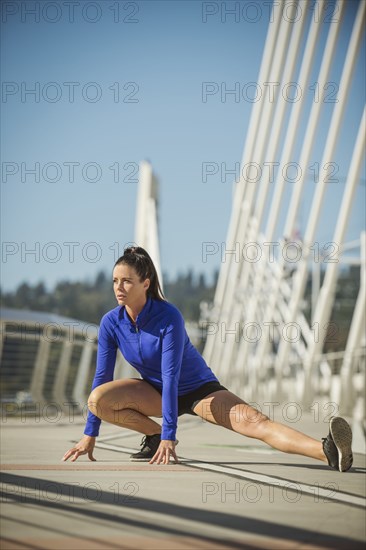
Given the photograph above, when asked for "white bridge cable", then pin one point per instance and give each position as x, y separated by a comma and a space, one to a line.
280, 106
309, 137
236, 216
356, 333
259, 146
294, 122
327, 292
299, 279
269, 292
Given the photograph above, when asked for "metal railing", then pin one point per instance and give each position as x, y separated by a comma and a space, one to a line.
262, 293
45, 359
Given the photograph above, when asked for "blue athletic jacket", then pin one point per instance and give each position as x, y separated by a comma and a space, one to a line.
160, 350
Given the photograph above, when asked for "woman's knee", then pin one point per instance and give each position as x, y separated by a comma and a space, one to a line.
259, 425
252, 422
95, 402
107, 398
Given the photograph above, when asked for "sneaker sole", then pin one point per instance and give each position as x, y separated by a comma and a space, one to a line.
342, 437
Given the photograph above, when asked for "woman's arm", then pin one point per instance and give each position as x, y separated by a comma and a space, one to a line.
106, 359
171, 362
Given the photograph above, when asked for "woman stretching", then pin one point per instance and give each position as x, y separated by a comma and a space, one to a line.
151, 335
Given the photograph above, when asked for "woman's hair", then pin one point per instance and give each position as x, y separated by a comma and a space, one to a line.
139, 259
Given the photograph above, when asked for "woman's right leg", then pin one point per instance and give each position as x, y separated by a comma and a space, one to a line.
127, 403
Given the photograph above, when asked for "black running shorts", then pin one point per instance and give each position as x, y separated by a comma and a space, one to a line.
188, 401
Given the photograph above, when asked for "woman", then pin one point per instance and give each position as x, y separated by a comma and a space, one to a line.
151, 335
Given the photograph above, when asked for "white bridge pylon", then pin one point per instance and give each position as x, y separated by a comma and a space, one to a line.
258, 339
146, 223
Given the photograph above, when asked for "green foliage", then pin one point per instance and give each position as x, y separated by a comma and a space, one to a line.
187, 294
79, 300
90, 301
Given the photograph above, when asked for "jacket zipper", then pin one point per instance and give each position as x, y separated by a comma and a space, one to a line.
139, 340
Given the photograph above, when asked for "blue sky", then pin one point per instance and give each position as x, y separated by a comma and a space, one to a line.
157, 55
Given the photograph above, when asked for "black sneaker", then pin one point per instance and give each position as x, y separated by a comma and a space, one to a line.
337, 446
149, 446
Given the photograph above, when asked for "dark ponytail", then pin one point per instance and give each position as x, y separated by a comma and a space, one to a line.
139, 259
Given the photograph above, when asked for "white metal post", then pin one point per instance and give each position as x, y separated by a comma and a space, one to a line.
301, 274
79, 390
63, 368
258, 269
327, 292
355, 339
258, 152
228, 272
39, 371
309, 136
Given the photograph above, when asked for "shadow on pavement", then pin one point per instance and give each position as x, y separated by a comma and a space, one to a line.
239, 523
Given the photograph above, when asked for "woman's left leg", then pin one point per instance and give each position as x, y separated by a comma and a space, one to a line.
226, 409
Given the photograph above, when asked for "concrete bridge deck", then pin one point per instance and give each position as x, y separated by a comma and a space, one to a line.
227, 492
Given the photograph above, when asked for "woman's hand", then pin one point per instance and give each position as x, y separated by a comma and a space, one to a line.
85, 445
165, 450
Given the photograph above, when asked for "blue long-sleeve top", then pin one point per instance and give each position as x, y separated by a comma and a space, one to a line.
158, 347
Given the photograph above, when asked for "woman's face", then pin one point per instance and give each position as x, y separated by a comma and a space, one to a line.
128, 288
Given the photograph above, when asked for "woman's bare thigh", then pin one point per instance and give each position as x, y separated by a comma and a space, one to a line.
227, 409
128, 394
